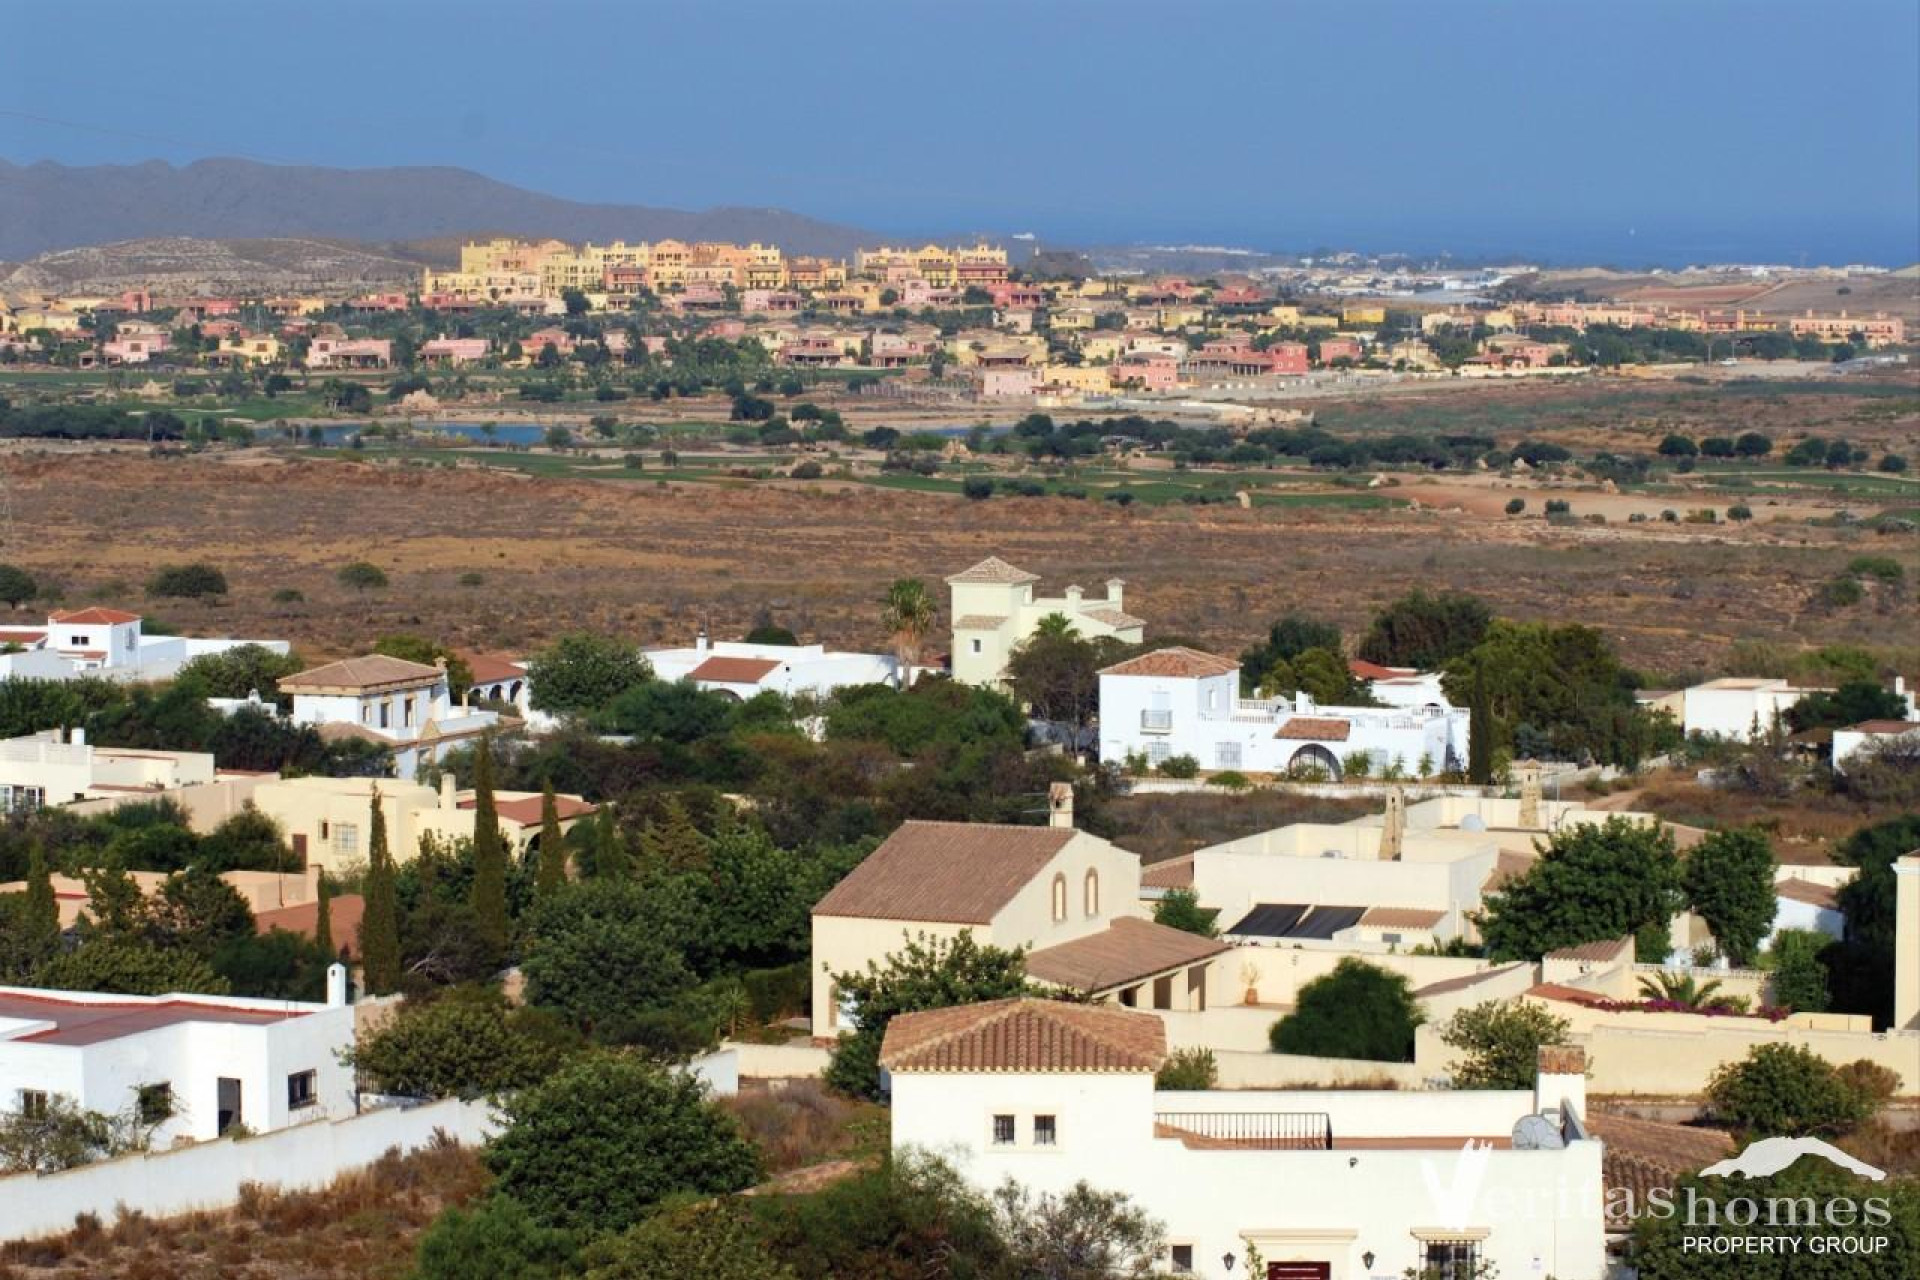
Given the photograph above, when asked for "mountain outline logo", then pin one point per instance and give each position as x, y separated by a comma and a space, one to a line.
1769, 1156
1454, 1202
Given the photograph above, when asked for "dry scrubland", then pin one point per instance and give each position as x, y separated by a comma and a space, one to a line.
653, 561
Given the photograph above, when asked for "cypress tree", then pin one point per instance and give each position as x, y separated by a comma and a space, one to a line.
1479, 734
42, 921
489, 852
611, 858
323, 917
673, 843
552, 873
380, 922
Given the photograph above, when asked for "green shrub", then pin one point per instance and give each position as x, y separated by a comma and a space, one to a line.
1188, 1069
1516, 505
362, 575
1230, 780
1180, 767
188, 581
1885, 568
1357, 1011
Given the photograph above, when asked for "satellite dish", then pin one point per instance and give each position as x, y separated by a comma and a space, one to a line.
1331, 853
1473, 822
1537, 1133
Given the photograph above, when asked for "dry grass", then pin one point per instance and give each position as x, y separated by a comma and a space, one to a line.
651, 562
364, 1225
1158, 827
804, 1124
1804, 825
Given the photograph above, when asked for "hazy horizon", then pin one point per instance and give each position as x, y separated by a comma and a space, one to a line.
1639, 134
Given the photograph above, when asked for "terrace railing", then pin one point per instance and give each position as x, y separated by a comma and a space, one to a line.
1255, 1130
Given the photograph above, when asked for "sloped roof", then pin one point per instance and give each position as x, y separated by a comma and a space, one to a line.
977, 622
734, 670
1364, 670
1402, 917
1807, 891
490, 668
952, 872
1640, 1155
1024, 1035
1599, 952
1464, 981
95, 617
1125, 951
1508, 866
1174, 873
1885, 726
994, 569
1314, 729
1178, 662
1118, 619
374, 671
344, 914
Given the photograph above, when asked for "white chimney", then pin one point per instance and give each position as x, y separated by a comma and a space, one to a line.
700, 640
336, 986
1074, 593
78, 737
1302, 701
447, 799
1060, 804
1115, 589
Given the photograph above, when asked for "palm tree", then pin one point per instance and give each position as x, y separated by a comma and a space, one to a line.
909, 616
1055, 625
1688, 992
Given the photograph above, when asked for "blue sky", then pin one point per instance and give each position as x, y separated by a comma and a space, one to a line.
1649, 130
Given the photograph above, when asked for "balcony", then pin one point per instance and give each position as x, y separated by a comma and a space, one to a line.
1247, 1130
1156, 722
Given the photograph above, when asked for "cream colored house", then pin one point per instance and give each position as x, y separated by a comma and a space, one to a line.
1041, 888
995, 609
401, 705
327, 819
48, 768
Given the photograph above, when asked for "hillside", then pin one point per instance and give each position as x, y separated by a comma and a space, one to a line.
49, 206
179, 265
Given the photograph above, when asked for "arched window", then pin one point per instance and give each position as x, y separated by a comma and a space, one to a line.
1091, 892
1059, 898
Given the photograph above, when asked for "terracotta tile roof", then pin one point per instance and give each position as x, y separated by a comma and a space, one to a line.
1118, 619
1364, 670
1174, 873
338, 730
1562, 992
1807, 891
1125, 951
1178, 662
952, 872
90, 1022
994, 569
1402, 917
1024, 1035
734, 670
94, 617
525, 810
1315, 728
1605, 950
977, 622
373, 671
1507, 866
1639, 1155
343, 919
1466, 980
490, 669
1885, 726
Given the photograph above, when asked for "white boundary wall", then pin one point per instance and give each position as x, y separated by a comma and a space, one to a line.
209, 1175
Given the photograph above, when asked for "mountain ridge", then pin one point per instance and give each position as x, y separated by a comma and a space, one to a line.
46, 206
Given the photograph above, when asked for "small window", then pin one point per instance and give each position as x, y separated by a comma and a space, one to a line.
1452, 1259
1180, 1259
301, 1090
1059, 897
33, 1104
1090, 892
346, 839
976, 644
1046, 1131
154, 1103
1003, 1131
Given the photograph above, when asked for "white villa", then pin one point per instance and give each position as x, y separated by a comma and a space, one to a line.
1182, 702
1737, 707
51, 768
994, 610
192, 1065
104, 642
1327, 1184
742, 670
1071, 898
404, 706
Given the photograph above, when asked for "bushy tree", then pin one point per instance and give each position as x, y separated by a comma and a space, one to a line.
600, 951
1592, 883
16, 585
1852, 702
667, 711
362, 575
1797, 959
496, 1237
928, 973
1358, 1011
607, 1137
1056, 673
129, 967
1426, 631
1080, 1234
276, 965
582, 672
465, 1044
711, 1239
1181, 909
1288, 638
1500, 1042
1729, 883
1785, 1089
1863, 967
188, 581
